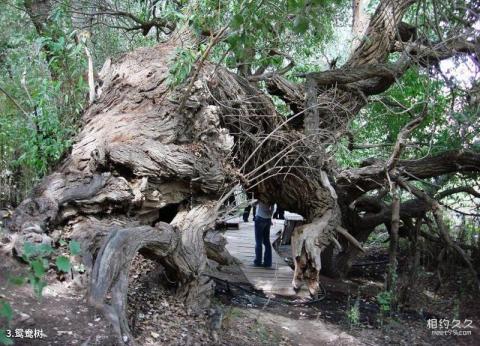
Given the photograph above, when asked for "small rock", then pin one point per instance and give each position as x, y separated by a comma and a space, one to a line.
23, 317
155, 335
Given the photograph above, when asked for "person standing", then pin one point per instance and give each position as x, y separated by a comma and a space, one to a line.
279, 213
263, 221
252, 203
246, 212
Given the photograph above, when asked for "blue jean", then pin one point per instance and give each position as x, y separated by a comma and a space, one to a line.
262, 237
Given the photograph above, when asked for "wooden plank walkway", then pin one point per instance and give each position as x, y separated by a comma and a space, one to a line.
275, 281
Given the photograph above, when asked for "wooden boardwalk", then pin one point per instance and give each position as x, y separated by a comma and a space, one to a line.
275, 281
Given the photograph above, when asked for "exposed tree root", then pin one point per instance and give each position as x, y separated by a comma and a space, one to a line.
178, 246
308, 242
109, 280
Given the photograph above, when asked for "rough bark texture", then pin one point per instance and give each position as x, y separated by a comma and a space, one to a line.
143, 176
360, 20
140, 177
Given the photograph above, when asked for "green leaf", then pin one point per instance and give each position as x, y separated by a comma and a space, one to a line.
17, 280
28, 250
38, 285
38, 268
300, 25
63, 264
74, 247
6, 311
45, 249
4, 340
237, 21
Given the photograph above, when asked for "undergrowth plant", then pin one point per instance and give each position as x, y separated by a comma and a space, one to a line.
384, 300
353, 313
37, 257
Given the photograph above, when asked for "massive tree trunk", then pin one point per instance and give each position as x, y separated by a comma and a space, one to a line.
148, 172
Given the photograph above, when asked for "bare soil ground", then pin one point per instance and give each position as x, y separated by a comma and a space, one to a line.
62, 313
247, 318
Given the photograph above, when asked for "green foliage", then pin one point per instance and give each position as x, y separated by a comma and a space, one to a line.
63, 264
36, 255
6, 313
4, 340
74, 247
256, 28
353, 314
38, 267
6, 310
17, 280
31, 250
430, 15
444, 128
378, 238
384, 300
181, 67
44, 77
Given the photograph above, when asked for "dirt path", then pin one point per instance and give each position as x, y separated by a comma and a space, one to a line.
302, 332
157, 318
62, 314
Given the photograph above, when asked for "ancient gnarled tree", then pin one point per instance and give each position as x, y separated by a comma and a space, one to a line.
155, 161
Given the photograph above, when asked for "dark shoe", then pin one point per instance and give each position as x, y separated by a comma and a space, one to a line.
255, 264
268, 266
